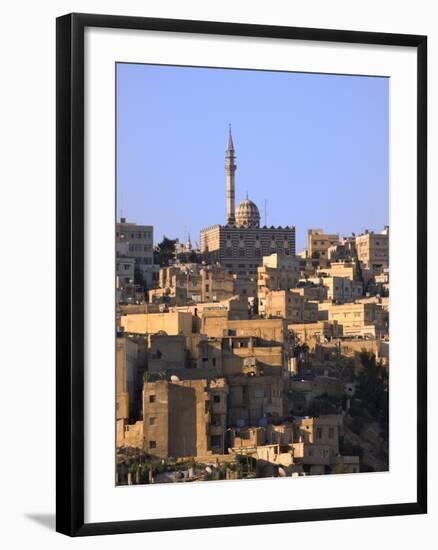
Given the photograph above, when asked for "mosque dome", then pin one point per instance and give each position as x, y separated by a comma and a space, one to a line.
247, 214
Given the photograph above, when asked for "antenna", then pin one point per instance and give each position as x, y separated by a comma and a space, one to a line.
266, 212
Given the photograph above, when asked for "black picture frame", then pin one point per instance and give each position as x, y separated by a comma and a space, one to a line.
70, 273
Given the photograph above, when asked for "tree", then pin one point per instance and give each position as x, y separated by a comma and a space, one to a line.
373, 388
164, 251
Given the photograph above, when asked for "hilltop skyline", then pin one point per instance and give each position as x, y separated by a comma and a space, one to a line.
302, 142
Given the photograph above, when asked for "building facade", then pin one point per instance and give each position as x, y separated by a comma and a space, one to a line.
137, 241
318, 244
373, 250
241, 243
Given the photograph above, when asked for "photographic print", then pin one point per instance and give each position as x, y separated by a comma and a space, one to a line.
252, 274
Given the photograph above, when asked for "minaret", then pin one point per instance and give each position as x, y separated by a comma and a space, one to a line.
230, 168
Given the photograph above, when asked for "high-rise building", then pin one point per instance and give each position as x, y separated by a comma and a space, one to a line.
136, 242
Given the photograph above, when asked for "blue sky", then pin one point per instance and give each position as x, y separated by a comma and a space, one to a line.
315, 147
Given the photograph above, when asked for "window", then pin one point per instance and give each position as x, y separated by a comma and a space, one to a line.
152, 420
216, 399
152, 398
152, 444
331, 433
319, 433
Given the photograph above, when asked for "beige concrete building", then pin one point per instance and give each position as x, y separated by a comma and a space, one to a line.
324, 430
201, 284
277, 273
177, 417
290, 306
124, 268
249, 355
170, 296
341, 289
126, 377
317, 447
139, 240
318, 244
311, 291
313, 333
257, 436
255, 399
345, 250
166, 353
356, 318
176, 322
373, 250
234, 308
340, 269
130, 435
268, 330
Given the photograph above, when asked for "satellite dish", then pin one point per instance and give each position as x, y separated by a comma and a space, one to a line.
174, 378
281, 472
208, 470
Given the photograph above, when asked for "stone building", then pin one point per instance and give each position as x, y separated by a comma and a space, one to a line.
345, 250
278, 272
318, 244
373, 250
241, 243
291, 306
175, 322
314, 333
177, 417
340, 269
311, 291
267, 330
341, 289
357, 319
139, 241
126, 377
255, 400
198, 283
248, 355
317, 447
